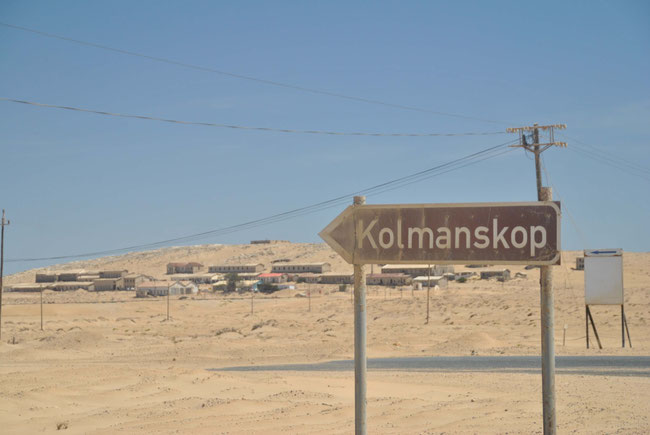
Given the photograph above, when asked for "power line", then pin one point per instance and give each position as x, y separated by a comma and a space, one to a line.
609, 162
583, 239
245, 77
611, 157
456, 164
243, 127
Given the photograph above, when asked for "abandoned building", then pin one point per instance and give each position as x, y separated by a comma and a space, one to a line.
236, 268
192, 267
388, 279
301, 268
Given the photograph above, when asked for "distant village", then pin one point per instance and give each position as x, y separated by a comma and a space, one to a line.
188, 278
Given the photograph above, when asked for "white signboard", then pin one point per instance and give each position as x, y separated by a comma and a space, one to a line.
604, 277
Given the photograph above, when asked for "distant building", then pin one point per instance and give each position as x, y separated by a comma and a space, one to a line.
301, 268
88, 277
108, 284
418, 269
273, 278
46, 277
191, 267
337, 278
311, 278
499, 274
152, 288
247, 285
73, 285
409, 269
244, 276
450, 276
437, 280
267, 242
580, 263
220, 285
113, 273
197, 278
466, 274
237, 268
183, 288
388, 279
27, 288
70, 275
131, 281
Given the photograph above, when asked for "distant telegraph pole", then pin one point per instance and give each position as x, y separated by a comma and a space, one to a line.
545, 273
3, 223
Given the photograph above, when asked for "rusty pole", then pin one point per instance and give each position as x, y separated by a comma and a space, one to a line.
548, 338
360, 342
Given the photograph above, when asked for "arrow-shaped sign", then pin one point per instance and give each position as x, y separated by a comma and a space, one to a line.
603, 252
480, 233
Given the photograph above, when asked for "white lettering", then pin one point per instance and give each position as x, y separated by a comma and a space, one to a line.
479, 233
420, 232
524, 237
399, 233
391, 238
533, 240
459, 231
447, 237
362, 234
499, 236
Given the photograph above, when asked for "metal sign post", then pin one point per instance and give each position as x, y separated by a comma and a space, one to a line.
360, 342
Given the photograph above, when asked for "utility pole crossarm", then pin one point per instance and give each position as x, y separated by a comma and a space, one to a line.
537, 148
535, 129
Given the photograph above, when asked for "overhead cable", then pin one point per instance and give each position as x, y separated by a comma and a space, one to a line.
243, 127
245, 77
609, 162
609, 155
437, 170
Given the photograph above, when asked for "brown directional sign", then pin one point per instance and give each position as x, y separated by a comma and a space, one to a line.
479, 233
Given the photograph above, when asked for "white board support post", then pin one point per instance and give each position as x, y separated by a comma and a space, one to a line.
360, 362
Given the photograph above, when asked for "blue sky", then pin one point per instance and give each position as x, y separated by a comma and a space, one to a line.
75, 182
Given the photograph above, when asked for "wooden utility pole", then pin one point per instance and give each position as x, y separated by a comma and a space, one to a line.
545, 273
537, 148
3, 223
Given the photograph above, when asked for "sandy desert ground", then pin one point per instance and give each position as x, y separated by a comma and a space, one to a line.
110, 363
